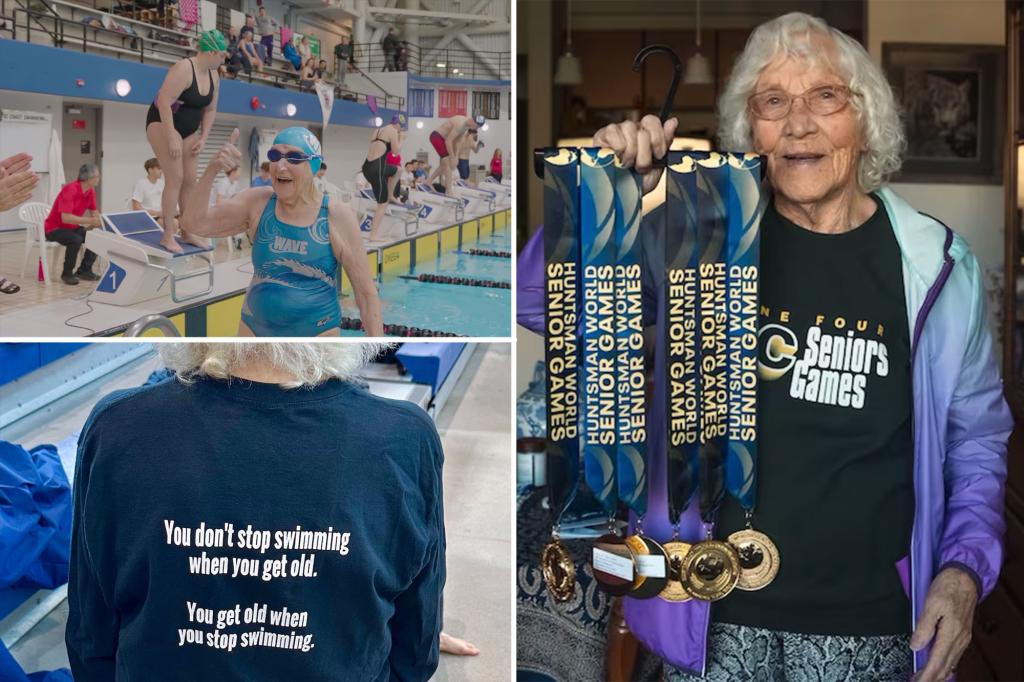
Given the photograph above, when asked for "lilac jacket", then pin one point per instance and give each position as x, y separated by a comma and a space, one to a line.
961, 425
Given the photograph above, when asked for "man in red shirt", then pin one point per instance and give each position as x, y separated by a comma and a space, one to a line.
74, 212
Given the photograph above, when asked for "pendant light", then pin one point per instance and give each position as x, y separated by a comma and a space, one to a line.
568, 69
698, 72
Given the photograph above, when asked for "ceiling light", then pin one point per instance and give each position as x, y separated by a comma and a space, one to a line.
123, 87
419, 125
290, 109
698, 71
568, 69
378, 121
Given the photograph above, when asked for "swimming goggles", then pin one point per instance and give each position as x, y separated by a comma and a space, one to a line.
294, 158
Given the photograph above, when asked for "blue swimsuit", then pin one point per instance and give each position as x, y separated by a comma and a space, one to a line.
294, 289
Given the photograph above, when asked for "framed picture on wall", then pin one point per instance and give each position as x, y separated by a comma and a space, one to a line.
952, 98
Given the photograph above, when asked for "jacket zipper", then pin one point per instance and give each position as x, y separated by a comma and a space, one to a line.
926, 307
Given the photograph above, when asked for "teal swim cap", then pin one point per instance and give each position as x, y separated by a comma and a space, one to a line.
212, 41
304, 139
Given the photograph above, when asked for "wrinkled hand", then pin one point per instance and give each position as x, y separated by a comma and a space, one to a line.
16, 188
228, 156
947, 617
637, 146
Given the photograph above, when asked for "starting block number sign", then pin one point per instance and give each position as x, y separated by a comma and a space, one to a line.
425, 211
367, 223
112, 278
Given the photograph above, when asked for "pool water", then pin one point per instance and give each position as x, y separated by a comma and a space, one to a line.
464, 310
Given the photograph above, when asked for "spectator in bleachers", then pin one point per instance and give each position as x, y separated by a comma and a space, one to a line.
307, 77
291, 54
321, 70
267, 27
263, 179
402, 59
148, 191
342, 59
408, 178
421, 171
74, 211
390, 47
305, 50
246, 55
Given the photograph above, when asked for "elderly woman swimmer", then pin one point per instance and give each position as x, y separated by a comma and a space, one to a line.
884, 497
300, 236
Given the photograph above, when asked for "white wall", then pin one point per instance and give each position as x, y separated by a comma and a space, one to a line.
27, 101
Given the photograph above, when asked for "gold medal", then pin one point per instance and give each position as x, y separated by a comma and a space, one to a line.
613, 565
759, 558
674, 591
652, 568
710, 570
559, 570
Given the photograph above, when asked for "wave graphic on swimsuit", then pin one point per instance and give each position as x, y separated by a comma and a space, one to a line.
305, 270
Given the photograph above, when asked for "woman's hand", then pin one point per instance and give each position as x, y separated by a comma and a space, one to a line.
174, 146
197, 147
637, 146
16, 188
946, 622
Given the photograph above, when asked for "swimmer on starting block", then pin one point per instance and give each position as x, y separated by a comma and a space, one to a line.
177, 124
446, 141
299, 236
381, 175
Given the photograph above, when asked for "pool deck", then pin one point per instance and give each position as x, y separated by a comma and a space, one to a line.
217, 313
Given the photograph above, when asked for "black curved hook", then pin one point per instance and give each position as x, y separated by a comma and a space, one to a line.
677, 73
638, 61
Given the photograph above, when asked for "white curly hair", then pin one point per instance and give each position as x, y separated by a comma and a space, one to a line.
793, 35
309, 363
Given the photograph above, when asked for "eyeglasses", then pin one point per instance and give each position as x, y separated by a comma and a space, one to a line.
294, 158
824, 100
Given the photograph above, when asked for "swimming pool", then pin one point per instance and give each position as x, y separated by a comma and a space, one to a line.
460, 309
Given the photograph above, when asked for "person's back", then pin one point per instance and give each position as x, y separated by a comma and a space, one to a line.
239, 530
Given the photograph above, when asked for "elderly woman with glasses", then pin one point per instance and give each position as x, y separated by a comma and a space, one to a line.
300, 237
882, 470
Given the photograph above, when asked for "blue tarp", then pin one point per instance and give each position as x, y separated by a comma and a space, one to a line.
10, 671
35, 517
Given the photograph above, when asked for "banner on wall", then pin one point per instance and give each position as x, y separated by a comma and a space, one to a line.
325, 93
451, 103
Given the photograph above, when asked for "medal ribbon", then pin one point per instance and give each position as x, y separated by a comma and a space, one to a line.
561, 317
598, 394
746, 201
682, 330
631, 378
711, 198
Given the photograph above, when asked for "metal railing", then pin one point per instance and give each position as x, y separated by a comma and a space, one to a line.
443, 63
34, 26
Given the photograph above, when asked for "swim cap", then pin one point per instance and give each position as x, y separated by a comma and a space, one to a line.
304, 139
480, 119
212, 41
398, 118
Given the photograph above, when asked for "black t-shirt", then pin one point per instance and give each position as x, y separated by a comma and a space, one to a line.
835, 472
242, 531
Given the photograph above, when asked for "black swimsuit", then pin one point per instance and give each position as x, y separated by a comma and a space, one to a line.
188, 110
378, 171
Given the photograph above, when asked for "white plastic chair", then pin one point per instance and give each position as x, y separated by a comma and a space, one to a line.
33, 214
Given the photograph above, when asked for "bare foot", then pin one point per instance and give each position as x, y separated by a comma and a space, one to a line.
195, 240
171, 244
456, 646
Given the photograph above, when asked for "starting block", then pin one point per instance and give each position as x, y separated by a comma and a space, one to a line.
484, 198
406, 215
502, 191
138, 267
436, 207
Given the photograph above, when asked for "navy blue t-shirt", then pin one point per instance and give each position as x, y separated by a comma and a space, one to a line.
239, 530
